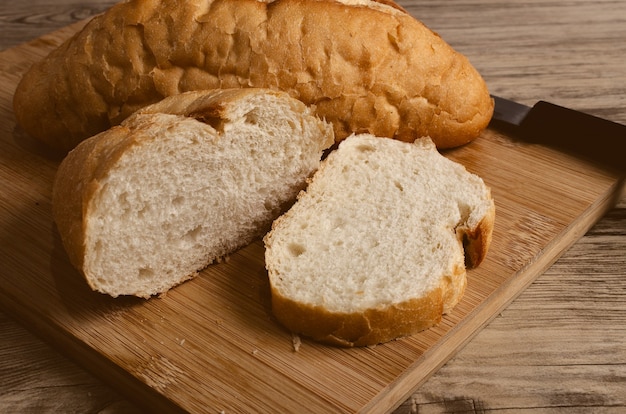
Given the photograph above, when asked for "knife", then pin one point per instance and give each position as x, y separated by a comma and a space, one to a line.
580, 134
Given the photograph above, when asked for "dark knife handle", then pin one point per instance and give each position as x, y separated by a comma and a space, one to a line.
575, 132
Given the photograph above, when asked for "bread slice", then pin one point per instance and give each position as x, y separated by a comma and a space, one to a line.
376, 247
143, 206
365, 66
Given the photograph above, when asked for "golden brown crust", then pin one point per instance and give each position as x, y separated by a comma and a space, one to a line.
476, 241
210, 106
373, 326
391, 3
394, 78
76, 181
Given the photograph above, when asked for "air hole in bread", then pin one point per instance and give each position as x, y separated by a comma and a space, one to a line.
193, 234
123, 198
142, 211
146, 273
296, 249
269, 205
399, 185
365, 148
252, 118
338, 222
437, 247
215, 121
178, 201
465, 210
97, 249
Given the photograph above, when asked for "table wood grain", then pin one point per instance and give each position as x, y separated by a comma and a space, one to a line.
561, 345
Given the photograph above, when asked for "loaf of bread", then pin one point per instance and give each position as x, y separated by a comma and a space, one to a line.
376, 247
145, 205
364, 65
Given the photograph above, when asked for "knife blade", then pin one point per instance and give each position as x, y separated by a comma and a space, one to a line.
583, 135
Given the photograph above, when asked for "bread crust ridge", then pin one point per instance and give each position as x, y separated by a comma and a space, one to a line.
365, 67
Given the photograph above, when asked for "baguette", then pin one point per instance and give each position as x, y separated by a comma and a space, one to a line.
377, 246
363, 65
145, 205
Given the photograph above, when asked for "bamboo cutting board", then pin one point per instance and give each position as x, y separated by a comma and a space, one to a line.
211, 344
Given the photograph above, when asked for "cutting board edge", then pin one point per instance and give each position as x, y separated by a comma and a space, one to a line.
90, 359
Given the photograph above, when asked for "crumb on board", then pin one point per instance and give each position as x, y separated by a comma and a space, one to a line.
223, 259
296, 342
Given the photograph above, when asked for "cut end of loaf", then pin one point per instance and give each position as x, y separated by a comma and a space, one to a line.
167, 194
370, 252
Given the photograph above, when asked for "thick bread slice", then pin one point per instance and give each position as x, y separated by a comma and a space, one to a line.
364, 65
143, 206
374, 248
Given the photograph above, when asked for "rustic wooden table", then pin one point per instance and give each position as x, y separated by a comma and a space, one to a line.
560, 346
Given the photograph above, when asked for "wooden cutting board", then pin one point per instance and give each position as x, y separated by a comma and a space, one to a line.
211, 344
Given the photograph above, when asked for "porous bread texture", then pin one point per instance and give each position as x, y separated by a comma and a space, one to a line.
365, 66
374, 248
144, 206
